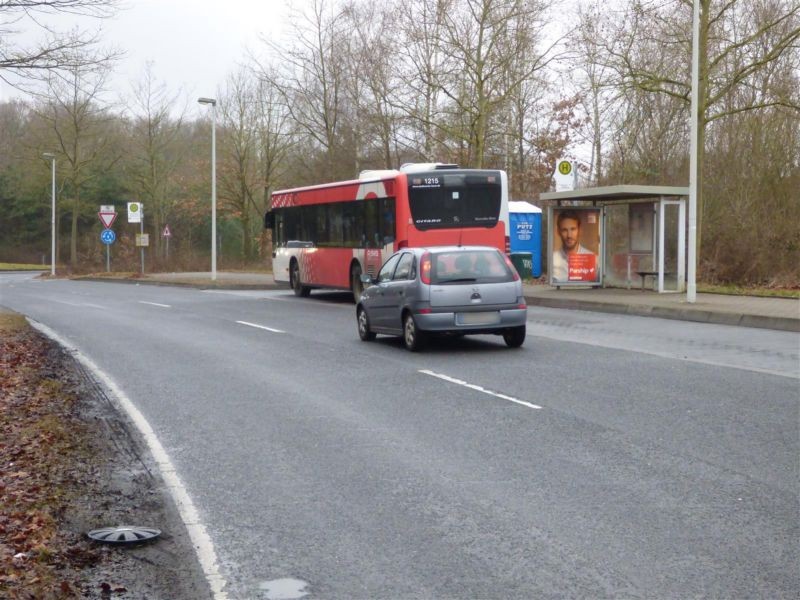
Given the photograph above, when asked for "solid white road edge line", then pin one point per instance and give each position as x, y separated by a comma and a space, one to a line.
479, 388
191, 519
155, 304
260, 327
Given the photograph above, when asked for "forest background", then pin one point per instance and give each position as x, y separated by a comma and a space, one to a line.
371, 84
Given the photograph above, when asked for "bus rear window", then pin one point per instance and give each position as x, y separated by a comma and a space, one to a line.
445, 200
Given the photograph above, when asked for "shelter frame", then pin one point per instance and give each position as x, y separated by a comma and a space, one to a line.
665, 196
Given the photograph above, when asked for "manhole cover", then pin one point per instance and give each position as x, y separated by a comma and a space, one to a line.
124, 535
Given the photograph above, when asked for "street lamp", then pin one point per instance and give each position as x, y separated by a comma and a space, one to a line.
213, 104
52, 158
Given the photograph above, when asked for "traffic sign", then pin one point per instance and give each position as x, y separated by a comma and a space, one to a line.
107, 218
108, 208
108, 236
167, 233
134, 212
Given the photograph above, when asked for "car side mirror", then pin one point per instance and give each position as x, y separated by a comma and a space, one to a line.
367, 279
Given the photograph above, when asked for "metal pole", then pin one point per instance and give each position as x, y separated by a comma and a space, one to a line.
141, 231
691, 275
214, 192
108, 258
53, 222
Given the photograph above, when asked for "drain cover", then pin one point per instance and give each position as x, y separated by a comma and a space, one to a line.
124, 535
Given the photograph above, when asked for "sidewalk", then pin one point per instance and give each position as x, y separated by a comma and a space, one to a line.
748, 311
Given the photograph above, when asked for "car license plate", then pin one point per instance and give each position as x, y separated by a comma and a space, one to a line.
478, 318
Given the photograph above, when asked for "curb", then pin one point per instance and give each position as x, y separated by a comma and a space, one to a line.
678, 314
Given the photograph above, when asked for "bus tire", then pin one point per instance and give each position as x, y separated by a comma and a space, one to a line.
355, 282
300, 290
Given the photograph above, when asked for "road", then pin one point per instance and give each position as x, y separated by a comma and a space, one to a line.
611, 456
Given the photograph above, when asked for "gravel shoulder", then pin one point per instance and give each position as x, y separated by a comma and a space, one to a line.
69, 463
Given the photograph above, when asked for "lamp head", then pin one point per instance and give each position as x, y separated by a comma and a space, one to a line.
210, 101
49, 155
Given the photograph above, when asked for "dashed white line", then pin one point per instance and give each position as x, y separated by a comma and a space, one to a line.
260, 327
478, 388
155, 304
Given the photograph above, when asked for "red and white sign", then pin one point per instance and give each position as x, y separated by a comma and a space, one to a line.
166, 232
582, 267
107, 218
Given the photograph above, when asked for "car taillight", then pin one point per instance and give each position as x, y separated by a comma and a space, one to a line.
511, 266
424, 311
425, 268
508, 245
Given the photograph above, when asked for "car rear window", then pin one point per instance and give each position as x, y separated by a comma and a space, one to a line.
479, 266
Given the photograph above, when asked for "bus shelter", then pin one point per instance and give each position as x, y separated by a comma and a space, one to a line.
618, 236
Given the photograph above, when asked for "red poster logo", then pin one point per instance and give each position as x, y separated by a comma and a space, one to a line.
582, 267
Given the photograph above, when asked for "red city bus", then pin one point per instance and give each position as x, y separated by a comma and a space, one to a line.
326, 236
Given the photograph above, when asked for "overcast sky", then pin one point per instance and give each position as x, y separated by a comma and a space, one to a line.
193, 44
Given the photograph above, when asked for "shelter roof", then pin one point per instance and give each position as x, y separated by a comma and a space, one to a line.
617, 193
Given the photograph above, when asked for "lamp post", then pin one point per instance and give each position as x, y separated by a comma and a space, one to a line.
213, 104
52, 158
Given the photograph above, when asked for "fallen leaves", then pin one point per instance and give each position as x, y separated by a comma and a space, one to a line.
40, 439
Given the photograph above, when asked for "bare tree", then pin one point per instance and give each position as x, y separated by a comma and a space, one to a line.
239, 181
154, 152
79, 121
311, 77
58, 51
482, 41
739, 39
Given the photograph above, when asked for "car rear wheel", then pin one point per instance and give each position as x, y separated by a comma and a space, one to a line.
294, 281
514, 336
364, 331
413, 338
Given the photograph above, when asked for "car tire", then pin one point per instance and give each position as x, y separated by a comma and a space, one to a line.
300, 290
514, 336
364, 332
355, 282
413, 338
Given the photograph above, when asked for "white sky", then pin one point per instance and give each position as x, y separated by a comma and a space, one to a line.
193, 44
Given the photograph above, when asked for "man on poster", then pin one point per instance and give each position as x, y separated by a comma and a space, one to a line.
572, 262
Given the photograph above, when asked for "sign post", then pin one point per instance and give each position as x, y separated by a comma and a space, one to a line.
167, 234
107, 214
136, 215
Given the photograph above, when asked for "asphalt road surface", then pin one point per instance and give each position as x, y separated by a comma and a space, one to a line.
610, 456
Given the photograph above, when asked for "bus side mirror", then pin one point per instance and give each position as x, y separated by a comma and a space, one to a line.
269, 220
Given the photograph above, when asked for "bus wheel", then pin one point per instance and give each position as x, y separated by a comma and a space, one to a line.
355, 282
300, 290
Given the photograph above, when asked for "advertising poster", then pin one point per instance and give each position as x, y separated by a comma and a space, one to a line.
575, 256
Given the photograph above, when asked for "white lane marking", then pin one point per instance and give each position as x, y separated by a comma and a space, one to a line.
89, 304
191, 518
260, 327
478, 388
155, 304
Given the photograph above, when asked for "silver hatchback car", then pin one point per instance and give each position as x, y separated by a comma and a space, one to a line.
443, 290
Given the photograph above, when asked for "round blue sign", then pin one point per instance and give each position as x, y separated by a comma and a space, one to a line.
108, 236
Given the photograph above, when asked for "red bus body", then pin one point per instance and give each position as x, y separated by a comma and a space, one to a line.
356, 246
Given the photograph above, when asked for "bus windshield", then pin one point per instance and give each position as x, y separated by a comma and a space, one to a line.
443, 200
